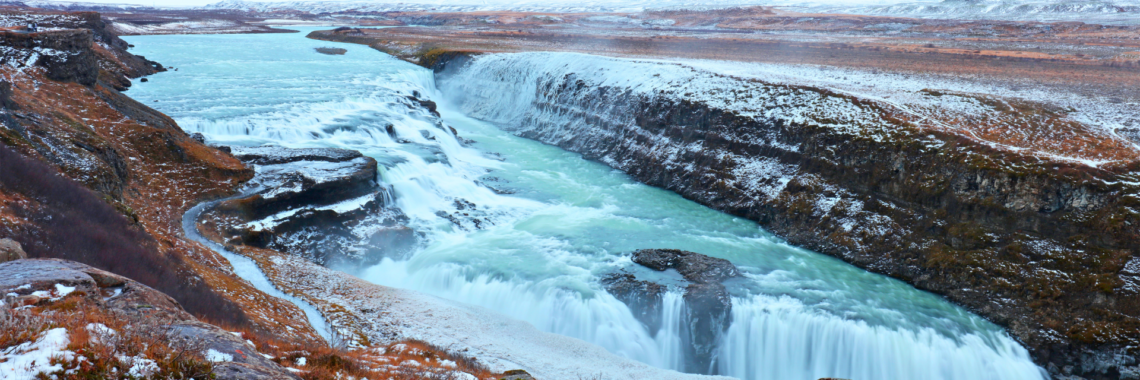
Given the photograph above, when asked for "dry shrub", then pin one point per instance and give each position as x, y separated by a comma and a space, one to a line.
323, 361
74, 223
100, 354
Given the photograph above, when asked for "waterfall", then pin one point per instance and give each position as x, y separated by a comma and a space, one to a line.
528, 230
559, 97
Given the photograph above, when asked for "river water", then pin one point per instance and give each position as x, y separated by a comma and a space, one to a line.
537, 253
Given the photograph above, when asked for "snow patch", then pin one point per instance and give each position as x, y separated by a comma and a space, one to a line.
217, 357
25, 361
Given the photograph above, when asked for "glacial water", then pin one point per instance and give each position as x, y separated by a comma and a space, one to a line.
537, 253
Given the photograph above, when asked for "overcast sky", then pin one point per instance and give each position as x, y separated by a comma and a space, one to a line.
157, 3
190, 3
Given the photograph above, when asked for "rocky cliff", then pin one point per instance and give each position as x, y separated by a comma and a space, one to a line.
1041, 244
93, 176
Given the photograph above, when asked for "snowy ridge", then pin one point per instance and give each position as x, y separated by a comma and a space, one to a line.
1100, 11
1090, 11
79, 5
499, 5
850, 102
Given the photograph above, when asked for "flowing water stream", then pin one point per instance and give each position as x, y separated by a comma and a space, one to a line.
538, 253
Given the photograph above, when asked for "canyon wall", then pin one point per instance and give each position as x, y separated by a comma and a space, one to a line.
1042, 246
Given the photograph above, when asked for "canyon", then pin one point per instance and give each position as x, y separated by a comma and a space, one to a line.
942, 200
746, 192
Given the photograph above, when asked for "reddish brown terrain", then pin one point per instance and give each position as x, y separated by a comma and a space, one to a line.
93, 187
1098, 58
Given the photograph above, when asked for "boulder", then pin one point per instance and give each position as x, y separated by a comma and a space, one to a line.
331, 51
707, 315
235, 358
516, 374
693, 266
644, 298
33, 281
41, 281
10, 250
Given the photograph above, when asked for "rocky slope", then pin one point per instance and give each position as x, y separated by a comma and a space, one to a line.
92, 176
134, 312
127, 172
1042, 244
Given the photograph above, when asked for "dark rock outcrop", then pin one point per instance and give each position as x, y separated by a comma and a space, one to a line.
309, 202
292, 178
81, 49
695, 267
707, 309
246, 363
707, 314
65, 54
331, 51
644, 298
516, 374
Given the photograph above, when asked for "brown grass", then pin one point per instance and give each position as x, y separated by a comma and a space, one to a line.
100, 355
385, 361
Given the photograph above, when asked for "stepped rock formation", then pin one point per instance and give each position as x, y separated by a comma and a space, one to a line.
321, 204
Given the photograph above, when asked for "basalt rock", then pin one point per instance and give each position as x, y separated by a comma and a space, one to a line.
291, 178
33, 281
65, 54
323, 204
517, 374
707, 310
331, 51
644, 298
80, 49
246, 363
695, 267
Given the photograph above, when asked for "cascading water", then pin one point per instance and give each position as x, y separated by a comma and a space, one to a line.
528, 230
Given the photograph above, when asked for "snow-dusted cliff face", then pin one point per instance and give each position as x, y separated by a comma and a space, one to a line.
1003, 228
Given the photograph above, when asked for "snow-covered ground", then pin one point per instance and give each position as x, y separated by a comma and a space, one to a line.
1101, 114
1101, 11
27, 360
970, 107
185, 27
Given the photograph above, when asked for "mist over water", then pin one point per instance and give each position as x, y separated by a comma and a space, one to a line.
535, 247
